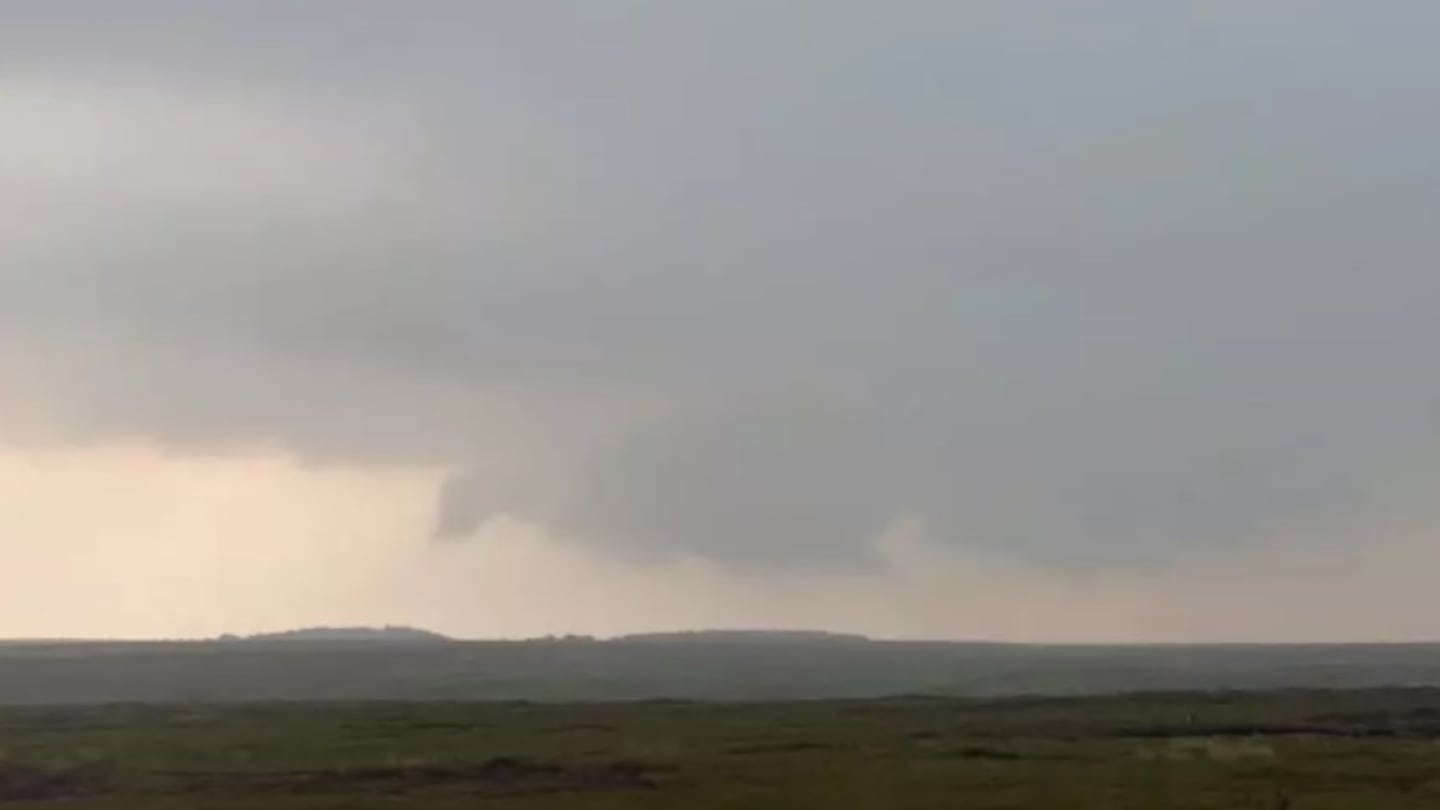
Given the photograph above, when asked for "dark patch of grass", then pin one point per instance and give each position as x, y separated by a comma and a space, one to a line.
981, 752
781, 747
1271, 730
38, 782
497, 776
570, 728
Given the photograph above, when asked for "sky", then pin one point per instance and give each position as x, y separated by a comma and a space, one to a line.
1104, 321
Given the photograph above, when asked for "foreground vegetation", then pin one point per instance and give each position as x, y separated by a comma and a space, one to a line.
1299, 750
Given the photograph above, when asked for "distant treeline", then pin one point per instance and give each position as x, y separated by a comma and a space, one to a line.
388, 633
396, 633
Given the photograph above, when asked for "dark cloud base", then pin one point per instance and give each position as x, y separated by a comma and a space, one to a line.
746, 282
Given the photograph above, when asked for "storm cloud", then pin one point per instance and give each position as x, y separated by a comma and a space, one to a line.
751, 282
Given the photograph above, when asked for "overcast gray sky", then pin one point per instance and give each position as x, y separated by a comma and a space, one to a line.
1111, 319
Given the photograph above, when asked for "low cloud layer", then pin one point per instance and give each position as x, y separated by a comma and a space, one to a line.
747, 282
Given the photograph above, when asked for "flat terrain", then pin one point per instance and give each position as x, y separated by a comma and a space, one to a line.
747, 669
1295, 749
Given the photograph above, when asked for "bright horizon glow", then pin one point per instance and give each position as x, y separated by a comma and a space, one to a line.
260, 543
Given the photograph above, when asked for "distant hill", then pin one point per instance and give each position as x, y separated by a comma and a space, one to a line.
387, 634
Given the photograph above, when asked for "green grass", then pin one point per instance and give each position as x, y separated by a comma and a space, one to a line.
1296, 749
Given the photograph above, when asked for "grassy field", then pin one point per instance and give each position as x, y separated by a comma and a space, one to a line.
570, 671
1299, 750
